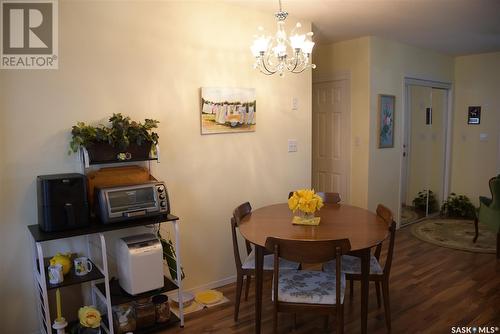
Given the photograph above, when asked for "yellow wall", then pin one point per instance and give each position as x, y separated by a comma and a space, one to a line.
351, 58
474, 162
149, 59
390, 63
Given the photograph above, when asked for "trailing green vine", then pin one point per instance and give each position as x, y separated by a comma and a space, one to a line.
120, 134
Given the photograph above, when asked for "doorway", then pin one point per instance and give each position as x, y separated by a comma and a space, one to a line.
331, 144
425, 160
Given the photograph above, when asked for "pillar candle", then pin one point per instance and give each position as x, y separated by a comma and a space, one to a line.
58, 303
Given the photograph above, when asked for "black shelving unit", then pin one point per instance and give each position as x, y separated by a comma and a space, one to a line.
72, 279
97, 227
120, 296
158, 327
107, 290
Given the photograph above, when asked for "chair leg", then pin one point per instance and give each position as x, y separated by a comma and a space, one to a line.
387, 305
325, 323
247, 287
275, 319
239, 287
476, 228
340, 319
377, 289
351, 288
498, 245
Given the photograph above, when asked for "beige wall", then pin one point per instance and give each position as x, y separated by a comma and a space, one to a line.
474, 162
377, 66
351, 58
149, 59
390, 63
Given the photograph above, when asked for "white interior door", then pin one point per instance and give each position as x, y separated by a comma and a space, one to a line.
331, 138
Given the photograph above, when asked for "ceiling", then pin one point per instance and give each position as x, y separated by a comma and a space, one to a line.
454, 27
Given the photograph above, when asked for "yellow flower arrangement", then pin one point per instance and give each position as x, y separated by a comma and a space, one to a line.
305, 200
89, 317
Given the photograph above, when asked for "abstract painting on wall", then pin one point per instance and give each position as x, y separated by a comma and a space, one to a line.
227, 110
386, 104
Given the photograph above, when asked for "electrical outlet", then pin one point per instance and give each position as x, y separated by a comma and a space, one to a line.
292, 145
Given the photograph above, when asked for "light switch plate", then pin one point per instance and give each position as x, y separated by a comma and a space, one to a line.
292, 145
483, 137
295, 103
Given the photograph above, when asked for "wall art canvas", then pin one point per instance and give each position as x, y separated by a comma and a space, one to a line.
228, 110
386, 104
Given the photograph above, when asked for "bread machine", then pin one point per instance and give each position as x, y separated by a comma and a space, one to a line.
140, 263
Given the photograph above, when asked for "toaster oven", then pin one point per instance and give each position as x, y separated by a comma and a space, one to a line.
122, 203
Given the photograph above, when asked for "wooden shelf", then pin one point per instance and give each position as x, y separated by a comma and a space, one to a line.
97, 227
120, 296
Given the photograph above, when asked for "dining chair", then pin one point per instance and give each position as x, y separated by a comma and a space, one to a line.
295, 291
380, 275
331, 198
246, 268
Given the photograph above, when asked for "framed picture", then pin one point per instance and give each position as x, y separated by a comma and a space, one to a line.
474, 115
386, 105
228, 110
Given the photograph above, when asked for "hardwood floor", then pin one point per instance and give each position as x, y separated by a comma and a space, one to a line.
432, 289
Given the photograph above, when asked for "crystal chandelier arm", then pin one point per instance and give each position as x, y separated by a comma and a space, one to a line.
260, 63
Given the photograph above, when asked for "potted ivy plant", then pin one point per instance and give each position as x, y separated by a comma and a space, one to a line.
122, 140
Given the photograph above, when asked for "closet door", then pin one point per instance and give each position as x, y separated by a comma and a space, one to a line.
424, 155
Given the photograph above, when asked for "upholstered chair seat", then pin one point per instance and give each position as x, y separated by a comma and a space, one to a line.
249, 262
352, 265
309, 287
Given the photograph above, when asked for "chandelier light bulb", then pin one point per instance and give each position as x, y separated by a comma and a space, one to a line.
297, 41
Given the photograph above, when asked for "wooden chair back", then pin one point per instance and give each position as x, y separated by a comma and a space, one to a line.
386, 214
241, 211
330, 198
238, 213
308, 251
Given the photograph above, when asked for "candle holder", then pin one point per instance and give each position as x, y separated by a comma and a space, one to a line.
59, 325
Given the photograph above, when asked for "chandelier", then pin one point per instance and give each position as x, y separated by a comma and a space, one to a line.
279, 53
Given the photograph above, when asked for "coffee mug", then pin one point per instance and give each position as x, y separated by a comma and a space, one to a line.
82, 266
56, 274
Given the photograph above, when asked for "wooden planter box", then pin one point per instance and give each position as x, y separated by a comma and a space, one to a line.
105, 153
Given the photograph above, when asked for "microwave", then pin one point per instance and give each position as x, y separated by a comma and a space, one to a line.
123, 203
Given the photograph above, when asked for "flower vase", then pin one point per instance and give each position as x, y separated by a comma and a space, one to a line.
306, 215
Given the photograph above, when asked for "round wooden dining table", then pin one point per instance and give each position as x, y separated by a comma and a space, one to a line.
363, 228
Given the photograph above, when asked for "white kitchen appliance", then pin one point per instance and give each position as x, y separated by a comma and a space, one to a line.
140, 263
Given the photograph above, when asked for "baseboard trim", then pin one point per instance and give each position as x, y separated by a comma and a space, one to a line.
208, 286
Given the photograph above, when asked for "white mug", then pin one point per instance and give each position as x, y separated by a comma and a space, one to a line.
82, 266
56, 274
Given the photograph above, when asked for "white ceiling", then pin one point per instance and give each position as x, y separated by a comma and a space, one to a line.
454, 27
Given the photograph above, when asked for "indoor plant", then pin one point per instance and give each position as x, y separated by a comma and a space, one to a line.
420, 202
458, 206
122, 140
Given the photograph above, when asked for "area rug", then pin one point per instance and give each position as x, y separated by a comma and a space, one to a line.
456, 234
408, 214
